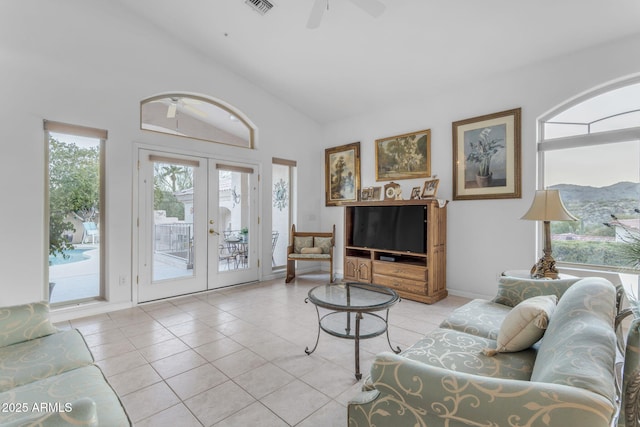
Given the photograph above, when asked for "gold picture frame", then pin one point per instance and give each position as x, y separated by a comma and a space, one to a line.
430, 189
487, 157
342, 174
406, 156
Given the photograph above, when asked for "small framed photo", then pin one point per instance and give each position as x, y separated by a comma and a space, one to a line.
415, 193
430, 188
366, 194
376, 193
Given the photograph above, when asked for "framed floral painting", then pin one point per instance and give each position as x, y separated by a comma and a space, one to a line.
486, 157
342, 174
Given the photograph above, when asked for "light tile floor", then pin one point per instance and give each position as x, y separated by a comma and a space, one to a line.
235, 357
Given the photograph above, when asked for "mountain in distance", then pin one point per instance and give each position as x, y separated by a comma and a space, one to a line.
595, 205
617, 192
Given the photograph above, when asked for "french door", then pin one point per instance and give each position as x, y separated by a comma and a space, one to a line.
197, 224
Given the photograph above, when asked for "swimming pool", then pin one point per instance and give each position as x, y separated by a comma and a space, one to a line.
74, 255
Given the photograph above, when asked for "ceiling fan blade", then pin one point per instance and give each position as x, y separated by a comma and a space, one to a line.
195, 110
171, 111
319, 6
372, 7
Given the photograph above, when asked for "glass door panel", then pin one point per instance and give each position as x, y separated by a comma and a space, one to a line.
232, 198
173, 239
173, 194
280, 213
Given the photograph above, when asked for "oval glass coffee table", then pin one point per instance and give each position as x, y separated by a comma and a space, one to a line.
352, 306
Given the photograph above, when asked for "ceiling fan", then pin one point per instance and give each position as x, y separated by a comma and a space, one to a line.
186, 103
372, 7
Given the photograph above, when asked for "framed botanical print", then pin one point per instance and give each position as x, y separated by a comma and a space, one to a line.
405, 156
486, 157
342, 174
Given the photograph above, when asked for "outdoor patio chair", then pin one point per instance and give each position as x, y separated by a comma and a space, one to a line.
229, 254
90, 231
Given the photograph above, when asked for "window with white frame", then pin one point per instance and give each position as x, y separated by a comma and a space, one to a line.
196, 117
589, 149
282, 176
74, 202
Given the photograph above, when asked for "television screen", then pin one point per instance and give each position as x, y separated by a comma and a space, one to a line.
396, 228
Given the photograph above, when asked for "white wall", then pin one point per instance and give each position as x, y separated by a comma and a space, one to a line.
485, 237
85, 62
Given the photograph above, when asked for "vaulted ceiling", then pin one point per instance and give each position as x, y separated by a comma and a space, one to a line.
354, 63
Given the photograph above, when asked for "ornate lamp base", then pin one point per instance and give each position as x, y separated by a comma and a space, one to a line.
545, 268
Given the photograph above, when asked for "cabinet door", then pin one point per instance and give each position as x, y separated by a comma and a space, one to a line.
357, 269
364, 270
351, 268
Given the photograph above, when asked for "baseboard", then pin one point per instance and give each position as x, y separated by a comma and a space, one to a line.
469, 295
70, 312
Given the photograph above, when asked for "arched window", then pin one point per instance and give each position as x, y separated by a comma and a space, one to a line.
589, 149
196, 117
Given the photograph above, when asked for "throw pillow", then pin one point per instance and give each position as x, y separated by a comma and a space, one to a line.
323, 243
513, 290
310, 251
24, 322
524, 325
302, 242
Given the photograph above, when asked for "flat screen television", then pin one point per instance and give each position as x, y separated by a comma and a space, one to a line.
394, 228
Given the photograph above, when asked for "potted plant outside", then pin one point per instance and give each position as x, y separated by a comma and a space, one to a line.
629, 252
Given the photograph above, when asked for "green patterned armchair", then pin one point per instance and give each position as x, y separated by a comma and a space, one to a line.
47, 376
457, 375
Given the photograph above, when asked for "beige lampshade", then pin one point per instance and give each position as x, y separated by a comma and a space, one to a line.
547, 206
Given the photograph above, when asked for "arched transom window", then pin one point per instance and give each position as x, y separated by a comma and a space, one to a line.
196, 117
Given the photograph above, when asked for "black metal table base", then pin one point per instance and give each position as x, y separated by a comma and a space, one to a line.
356, 336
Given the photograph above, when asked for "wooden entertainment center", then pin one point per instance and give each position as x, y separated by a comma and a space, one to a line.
414, 276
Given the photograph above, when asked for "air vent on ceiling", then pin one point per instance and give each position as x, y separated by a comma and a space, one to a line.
260, 6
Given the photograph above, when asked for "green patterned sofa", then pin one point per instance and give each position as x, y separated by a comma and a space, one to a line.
452, 377
47, 376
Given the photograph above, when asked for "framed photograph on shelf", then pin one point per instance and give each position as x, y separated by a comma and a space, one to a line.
366, 194
405, 156
487, 156
342, 174
415, 193
430, 188
376, 193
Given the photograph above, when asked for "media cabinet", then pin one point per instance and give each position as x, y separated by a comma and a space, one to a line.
414, 276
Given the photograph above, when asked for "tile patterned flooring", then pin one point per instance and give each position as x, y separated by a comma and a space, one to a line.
235, 356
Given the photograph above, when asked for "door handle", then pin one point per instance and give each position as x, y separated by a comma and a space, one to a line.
212, 231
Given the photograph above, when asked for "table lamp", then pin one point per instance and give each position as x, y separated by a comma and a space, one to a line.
547, 206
